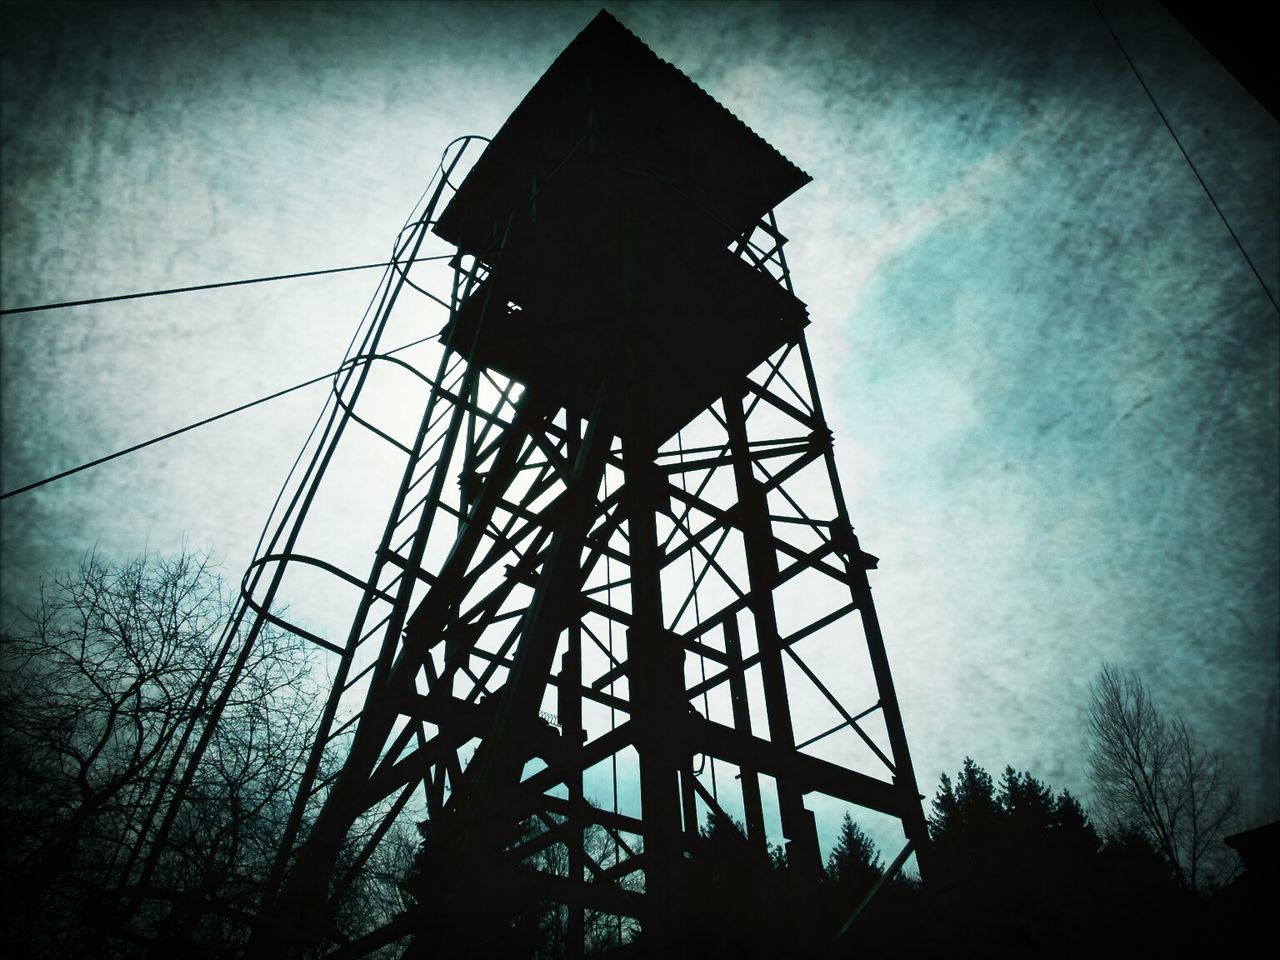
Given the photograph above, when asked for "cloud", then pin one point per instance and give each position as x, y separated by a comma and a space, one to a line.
973, 194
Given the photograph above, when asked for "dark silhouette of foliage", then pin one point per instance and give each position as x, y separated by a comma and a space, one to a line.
742, 898
1015, 867
854, 859
515, 917
98, 681
969, 805
725, 882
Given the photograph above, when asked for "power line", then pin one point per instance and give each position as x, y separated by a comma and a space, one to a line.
212, 286
198, 423
1186, 156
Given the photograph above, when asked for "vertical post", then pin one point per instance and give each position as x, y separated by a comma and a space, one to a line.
654, 661
569, 709
803, 855
752, 808
688, 801
913, 821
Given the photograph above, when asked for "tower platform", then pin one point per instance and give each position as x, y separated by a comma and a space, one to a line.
605, 208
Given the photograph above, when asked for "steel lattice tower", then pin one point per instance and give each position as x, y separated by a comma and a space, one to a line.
617, 550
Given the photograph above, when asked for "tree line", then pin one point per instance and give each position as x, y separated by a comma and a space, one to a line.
101, 680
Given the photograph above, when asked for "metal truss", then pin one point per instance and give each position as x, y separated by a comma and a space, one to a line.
569, 649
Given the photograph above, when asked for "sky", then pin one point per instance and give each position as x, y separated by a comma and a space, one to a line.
1051, 374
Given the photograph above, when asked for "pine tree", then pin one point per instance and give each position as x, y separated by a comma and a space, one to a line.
969, 805
1025, 800
854, 858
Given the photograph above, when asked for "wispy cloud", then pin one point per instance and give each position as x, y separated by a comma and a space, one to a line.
972, 194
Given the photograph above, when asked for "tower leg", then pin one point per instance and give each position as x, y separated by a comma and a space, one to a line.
656, 679
803, 856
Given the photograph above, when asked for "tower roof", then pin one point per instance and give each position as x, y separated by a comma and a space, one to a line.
609, 95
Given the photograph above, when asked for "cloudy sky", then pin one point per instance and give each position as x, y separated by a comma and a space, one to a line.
1051, 374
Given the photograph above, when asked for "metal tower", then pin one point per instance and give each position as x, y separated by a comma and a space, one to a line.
617, 587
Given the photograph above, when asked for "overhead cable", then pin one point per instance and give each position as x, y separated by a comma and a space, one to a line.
198, 423
1186, 156
212, 286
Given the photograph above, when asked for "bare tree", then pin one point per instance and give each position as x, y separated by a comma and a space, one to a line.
97, 683
1151, 776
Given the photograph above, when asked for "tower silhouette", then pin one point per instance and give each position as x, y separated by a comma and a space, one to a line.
617, 589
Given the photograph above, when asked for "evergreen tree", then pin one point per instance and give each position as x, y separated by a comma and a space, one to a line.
1025, 800
1016, 867
854, 859
970, 805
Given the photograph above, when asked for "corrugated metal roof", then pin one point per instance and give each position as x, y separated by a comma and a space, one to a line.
609, 97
